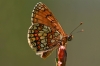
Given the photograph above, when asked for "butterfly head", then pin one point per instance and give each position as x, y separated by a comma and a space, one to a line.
70, 37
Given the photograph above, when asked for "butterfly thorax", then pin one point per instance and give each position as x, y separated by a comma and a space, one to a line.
65, 39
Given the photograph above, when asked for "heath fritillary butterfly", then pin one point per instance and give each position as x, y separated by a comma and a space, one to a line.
45, 34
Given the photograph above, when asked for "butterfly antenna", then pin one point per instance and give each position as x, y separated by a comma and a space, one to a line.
76, 28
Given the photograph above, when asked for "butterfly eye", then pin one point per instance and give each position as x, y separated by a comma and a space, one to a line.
70, 37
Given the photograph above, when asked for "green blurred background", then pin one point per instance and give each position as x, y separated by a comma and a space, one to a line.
15, 19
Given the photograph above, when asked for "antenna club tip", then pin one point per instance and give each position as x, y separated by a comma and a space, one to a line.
81, 23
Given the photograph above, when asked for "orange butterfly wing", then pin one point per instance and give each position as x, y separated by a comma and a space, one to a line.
41, 14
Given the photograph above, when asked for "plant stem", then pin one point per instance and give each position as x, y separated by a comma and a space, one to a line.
61, 56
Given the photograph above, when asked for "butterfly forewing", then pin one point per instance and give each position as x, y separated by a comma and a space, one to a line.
41, 14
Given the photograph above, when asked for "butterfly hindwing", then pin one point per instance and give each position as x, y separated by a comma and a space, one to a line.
41, 38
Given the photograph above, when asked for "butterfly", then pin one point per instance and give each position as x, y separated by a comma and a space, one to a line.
45, 33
